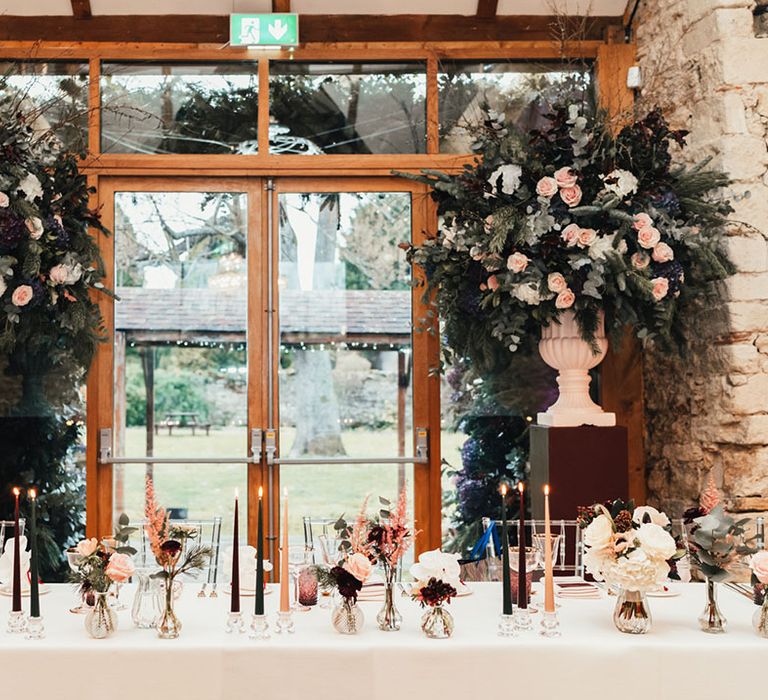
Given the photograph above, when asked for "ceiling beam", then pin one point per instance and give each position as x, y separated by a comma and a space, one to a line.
81, 9
214, 29
281, 5
487, 8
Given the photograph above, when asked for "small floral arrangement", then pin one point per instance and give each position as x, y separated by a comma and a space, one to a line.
99, 566
347, 577
716, 541
626, 546
436, 577
389, 534
571, 217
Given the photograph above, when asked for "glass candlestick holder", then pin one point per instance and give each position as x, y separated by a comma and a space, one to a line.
550, 625
259, 627
17, 622
235, 623
523, 621
506, 626
35, 628
284, 624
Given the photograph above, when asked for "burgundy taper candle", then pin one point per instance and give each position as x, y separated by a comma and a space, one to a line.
522, 574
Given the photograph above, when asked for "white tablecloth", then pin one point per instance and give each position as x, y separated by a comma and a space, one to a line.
591, 658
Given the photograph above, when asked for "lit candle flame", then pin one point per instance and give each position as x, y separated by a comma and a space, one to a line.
16, 491
285, 492
237, 493
546, 489
503, 489
32, 494
261, 492
521, 487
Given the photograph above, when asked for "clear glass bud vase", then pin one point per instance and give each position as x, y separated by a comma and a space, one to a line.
437, 623
169, 626
101, 620
347, 617
711, 619
389, 618
760, 619
147, 601
632, 614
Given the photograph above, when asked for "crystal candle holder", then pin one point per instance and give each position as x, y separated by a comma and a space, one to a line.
506, 626
259, 627
550, 625
17, 622
35, 628
522, 618
235, 623
284, 623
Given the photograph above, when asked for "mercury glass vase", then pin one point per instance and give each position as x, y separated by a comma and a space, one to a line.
711, 619
437, 623
389, 618
760, 619
169, 625
347, 617
632, 614
101, 620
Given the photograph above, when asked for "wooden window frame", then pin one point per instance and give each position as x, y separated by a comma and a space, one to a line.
611, 62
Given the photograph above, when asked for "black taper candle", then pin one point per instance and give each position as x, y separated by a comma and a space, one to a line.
235, 602
259, 606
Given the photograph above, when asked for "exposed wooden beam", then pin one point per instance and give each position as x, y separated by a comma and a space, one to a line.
81, 9
281, 5
487, 8
212, 29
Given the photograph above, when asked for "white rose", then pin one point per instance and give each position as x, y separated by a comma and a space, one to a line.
653, 516
438, 565
599, 533
3, 286
601, 246
621, 182
31, 187
35, 228
556, 282
527, 293
656, 542
635, 572
510, 178
597, 562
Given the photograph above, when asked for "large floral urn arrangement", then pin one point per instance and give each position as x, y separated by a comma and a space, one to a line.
572, 234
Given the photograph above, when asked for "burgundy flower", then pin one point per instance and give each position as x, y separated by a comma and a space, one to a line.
171, 547
348, 585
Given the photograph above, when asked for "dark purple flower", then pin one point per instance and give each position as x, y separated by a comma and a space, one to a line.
13, 231
171, 547
59, 233
348, 585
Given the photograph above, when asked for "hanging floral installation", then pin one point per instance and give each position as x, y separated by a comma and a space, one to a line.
571, 217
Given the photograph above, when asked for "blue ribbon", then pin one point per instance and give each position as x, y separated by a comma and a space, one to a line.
481, 546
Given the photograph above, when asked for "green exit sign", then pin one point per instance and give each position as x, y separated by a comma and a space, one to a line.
264, 30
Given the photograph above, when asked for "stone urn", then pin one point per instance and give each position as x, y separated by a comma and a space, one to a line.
562, 348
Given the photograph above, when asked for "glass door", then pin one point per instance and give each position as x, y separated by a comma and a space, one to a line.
344, 355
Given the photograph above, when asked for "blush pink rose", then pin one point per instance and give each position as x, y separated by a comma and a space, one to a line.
58, 274
565, 177
648, 237
546, 187
570, 234
556, 282
120, 567
587, 237
642, 220
22, 295
359, 566
640, 260
87, 547
4, 201
571, 195
662, 253
493, 283
759, 565
565, 299
35, 228
517, 262
488, 223
660, 287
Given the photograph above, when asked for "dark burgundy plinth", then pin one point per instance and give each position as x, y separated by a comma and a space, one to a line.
583, 465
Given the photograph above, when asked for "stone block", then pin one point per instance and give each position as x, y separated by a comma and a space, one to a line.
748, 316
743, 156
744, 61
735, 119
750, 397
744, 358
746, 430
749, 253
748, 286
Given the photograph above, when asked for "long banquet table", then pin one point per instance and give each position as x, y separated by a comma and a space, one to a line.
591, 658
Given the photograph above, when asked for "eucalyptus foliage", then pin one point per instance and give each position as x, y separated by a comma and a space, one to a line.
572, 217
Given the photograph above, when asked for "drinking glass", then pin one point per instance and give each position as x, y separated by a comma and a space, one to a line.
298, 559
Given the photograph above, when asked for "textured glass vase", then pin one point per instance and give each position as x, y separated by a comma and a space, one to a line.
711, 619
147, 601
760, 619
169, 626
101, 620
347, 617
389, 618
632, 614
437, 623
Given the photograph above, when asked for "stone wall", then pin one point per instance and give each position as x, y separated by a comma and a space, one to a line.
705, 63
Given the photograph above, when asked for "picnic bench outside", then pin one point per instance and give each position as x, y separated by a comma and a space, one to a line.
182, 419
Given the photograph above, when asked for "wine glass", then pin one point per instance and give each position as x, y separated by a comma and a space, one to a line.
73, 559
531, 563
298, 559
329, 553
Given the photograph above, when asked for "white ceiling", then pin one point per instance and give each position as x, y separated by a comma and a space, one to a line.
374, 7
